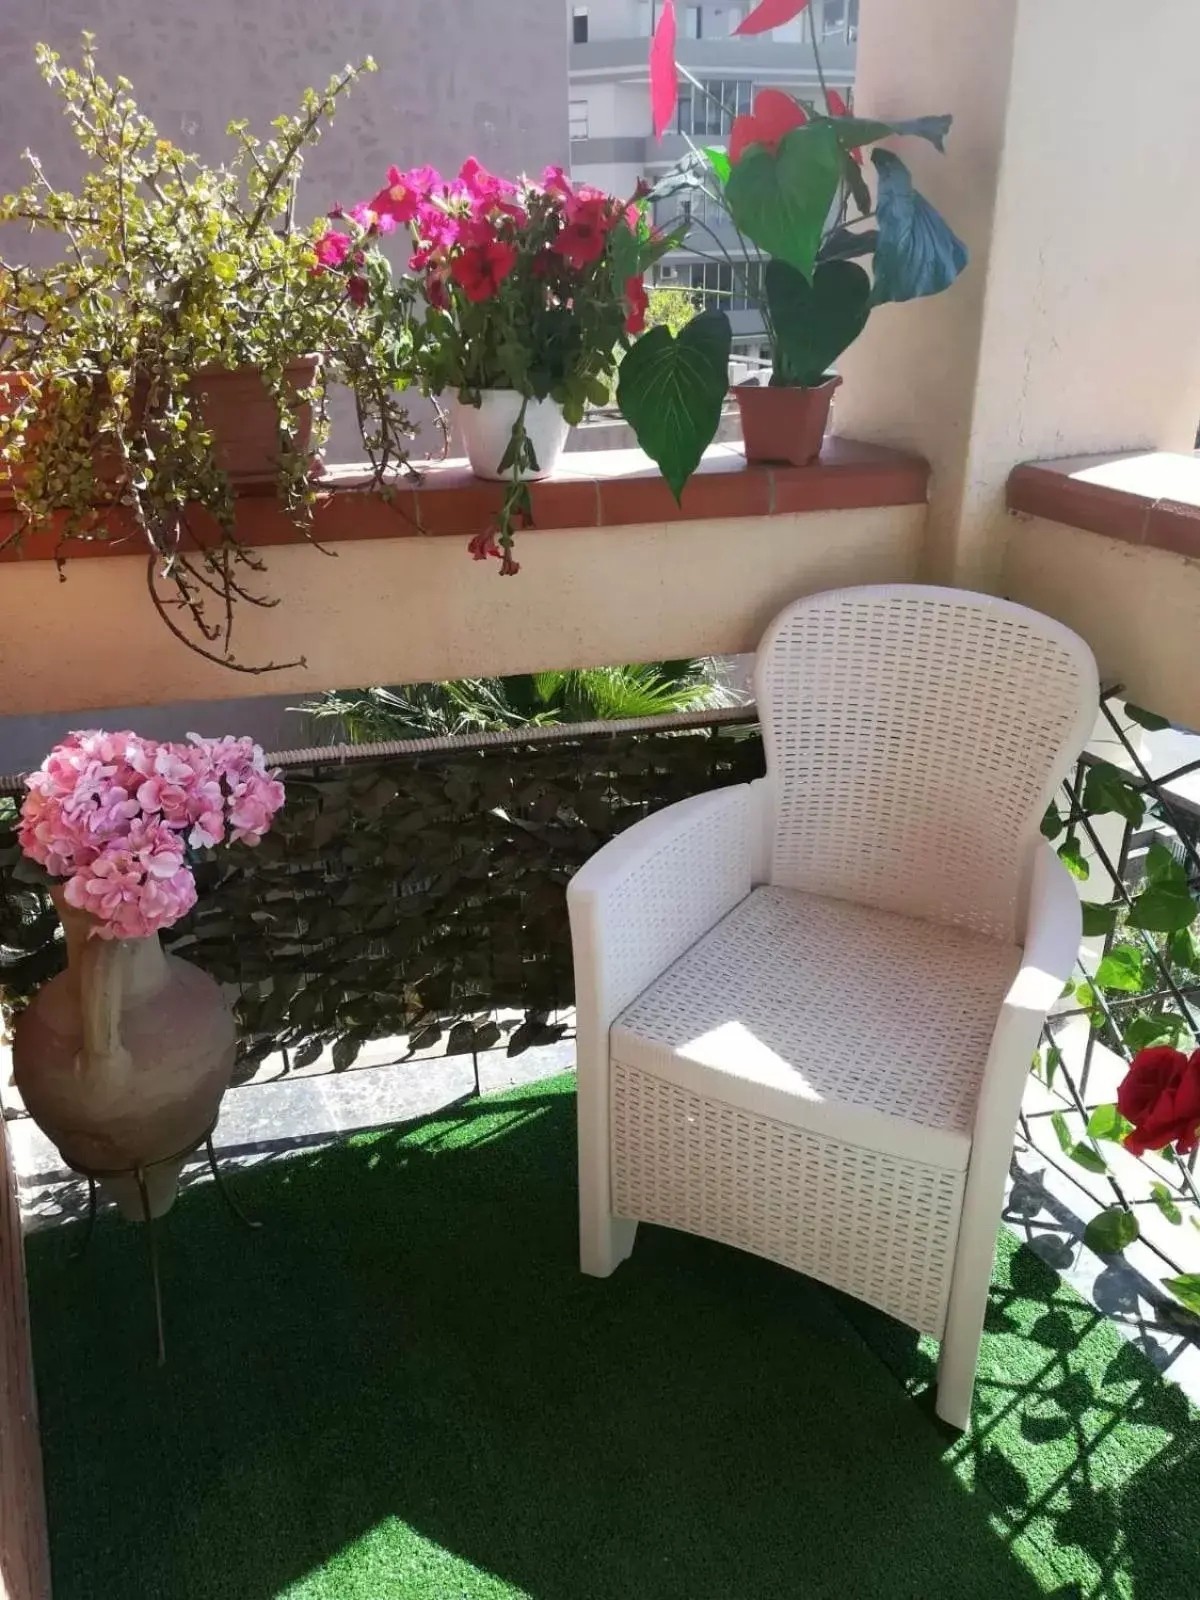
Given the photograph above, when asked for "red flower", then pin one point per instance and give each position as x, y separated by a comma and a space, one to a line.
1160, 1095
332, 248
639, 302
555, 181
774, 114
484, 545
664, 78
358, 288
397, 200
770, 14
483, 268
436, 292
590, 221
839, 108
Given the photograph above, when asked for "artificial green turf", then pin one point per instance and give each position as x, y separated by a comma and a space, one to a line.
402, 1387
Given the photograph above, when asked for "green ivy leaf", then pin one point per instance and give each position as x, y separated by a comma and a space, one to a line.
1153, 1027
1112, 1231
1106, 1122
1053, 1062
814, 322
1108, 789
719, 161
1183, 950
1165, 1201
1123, 968
1164, 909
917, 253
1059, 1123
1098, 920
1162, 867
1052, 823
670, 391
1186, 1289
1146, 719
781, 199
1071, 857
1083, 1155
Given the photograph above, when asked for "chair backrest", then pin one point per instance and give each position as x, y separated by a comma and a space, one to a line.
914, 738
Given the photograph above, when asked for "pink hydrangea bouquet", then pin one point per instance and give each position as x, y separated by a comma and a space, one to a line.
116, 816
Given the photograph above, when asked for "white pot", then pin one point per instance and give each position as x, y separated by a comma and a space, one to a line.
487, 432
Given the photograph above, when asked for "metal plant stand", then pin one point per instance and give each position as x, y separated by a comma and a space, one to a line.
138, 1174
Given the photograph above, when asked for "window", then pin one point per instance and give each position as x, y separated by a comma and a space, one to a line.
718, 287
693, 22
579, 25
578, 111
839, 17
723, 20
708, 112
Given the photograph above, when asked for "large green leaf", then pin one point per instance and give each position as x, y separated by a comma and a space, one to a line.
1163, 908
1123, 968
855, 131
1106, 1122
1110, 1232
780, 199
1099, 920
1109, 789
1153, 1027
670, 391
1165, 1201
1186, 1289
814, 322
917, 253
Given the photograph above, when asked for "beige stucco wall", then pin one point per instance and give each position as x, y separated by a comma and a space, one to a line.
1137, 607
1075, 328
411, 610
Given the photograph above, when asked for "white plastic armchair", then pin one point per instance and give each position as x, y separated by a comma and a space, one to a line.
807, 1006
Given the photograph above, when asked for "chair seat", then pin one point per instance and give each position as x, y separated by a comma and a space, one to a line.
856, 1024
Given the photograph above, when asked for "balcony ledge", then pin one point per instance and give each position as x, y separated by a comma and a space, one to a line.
591, 489
1147, 498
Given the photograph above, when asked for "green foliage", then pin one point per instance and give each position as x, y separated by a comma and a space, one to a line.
1106, 1122
1085, 1155
1153, 1027
1108, 789
781, 199
166, 270
1098, 920
1165, 1201
1071, 857
1123, 968
410, 894
670, 308
671, 391
1186, 1289
917, 253
814, 322
1112, 1231
1146, 719
491, 705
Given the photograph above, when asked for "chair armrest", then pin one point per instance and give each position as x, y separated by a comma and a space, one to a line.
649, 894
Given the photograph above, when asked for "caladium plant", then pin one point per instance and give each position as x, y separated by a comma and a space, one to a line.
831, 246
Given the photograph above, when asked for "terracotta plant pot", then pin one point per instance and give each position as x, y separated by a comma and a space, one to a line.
122, 1060
487, 432
242, 415
784, 425
238, 408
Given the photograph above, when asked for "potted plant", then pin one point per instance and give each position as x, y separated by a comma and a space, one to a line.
792, 184
177, 347
530, 291
122, 1059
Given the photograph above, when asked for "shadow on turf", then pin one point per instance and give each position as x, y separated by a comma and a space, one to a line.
409, 1346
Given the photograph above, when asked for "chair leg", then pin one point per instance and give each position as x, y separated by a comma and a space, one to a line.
956, 1379
604, 1240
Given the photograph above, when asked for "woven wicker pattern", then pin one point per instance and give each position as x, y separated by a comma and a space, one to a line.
842, 1006
914, 736
880, 1228
674, 895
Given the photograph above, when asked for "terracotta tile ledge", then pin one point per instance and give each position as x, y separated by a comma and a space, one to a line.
591, 489
1148, 498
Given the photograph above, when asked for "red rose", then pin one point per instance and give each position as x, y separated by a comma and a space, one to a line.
1160, 1095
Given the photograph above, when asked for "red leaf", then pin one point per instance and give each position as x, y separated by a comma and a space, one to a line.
770, 14
664, 81
774, 114
839, 108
